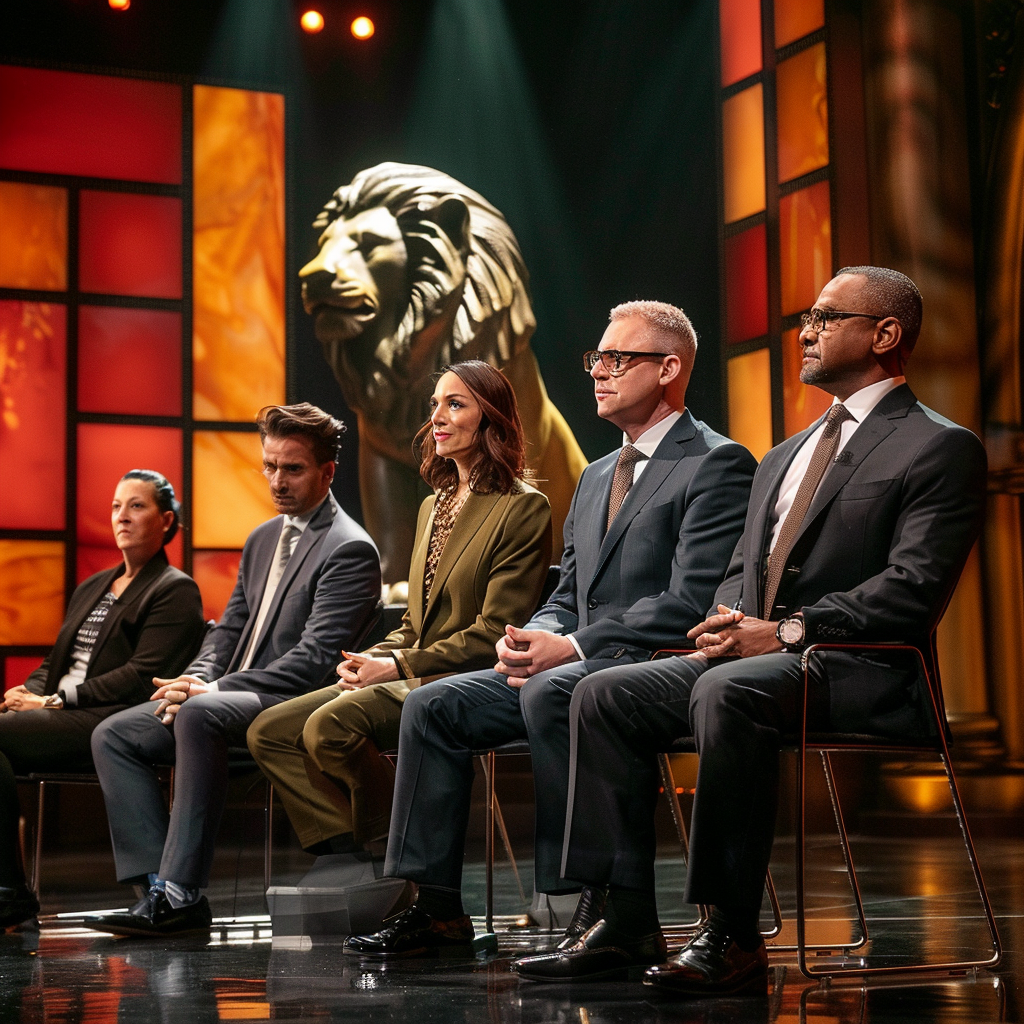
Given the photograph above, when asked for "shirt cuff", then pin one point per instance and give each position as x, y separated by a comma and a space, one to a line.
576, 646
68, 693
213, 687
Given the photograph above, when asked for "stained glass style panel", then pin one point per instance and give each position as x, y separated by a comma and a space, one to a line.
93, 125
795, 19
746, 285
130, 245
17, 668
802, 110
740, 37
230, 497
105, 453
129, 361
743, 153
31, 591
238, 253
802, 404
32, 415
750, 401
805, 243
33, 236
215, 572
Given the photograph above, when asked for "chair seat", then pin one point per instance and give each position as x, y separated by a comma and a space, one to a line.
830, 741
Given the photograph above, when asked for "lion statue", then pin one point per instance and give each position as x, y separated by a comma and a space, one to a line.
415, 270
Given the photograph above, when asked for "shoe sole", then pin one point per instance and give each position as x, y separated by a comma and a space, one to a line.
147, 933
421, 952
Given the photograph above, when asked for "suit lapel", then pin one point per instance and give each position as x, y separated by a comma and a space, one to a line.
133, 593
591, 516
417, 568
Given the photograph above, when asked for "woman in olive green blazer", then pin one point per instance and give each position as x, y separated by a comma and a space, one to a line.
483, 543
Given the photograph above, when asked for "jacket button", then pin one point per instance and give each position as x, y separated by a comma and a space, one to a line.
592, 603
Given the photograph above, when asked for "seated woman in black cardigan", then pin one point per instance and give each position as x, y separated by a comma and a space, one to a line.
123, 627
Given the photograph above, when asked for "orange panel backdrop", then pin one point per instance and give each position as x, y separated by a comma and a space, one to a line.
805, 244
802, 107
33, 236
32, 415
31, 591
740, 36
238, 253
215, 572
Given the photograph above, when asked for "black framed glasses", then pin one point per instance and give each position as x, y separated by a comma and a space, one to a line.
616, 360
816, 319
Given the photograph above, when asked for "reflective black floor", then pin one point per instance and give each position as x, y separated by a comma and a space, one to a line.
62, 973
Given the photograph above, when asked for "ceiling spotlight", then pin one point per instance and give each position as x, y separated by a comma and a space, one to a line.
120, 5
312, 22
362, 28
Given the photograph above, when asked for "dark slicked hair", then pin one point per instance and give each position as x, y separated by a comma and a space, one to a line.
501, 458
321, 429
892, 294
164, 493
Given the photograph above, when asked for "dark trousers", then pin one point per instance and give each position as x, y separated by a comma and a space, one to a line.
738, 712
128, 748
41, 740
442, 723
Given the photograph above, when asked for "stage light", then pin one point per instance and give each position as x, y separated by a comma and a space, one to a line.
312, 22
362, 28
120, 5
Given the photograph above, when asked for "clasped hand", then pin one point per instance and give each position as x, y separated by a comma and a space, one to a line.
525, 652
20, 698
172, 693
731, 634
359, 670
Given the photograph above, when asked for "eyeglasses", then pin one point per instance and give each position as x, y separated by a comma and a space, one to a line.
616, 361
816, 319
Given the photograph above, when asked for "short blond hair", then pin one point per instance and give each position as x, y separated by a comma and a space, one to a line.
664, 318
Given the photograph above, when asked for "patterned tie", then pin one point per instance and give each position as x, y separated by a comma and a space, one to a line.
281, 556
824, 453
623, 480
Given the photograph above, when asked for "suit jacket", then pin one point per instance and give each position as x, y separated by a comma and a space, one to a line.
879, 551
153, 629
491, 572
325, 602
648, 580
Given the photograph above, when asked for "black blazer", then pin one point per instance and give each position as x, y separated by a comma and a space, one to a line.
153, 629
643, 584
326, 601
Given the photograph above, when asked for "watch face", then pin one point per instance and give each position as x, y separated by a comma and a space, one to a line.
792, 631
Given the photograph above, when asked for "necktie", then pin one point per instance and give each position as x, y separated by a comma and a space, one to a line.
281, 556
824, 453
623, 480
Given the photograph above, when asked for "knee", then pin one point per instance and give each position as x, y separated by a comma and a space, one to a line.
261, 734
329, 726
714, 701
105, 737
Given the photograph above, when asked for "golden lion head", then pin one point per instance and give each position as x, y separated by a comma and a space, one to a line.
415, 270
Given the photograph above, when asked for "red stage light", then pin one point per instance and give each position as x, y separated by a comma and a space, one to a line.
363, 28
120, 5
312, 22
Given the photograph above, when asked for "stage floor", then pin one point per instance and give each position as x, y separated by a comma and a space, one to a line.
63, 973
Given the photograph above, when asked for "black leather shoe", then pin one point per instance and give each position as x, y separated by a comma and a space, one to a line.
17, 905
601, 952
414, 933
588, 912
154, 915
712, 964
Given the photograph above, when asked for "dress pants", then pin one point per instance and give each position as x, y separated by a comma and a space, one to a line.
738, 710
442, 723
128, 747
40, 740
322, 753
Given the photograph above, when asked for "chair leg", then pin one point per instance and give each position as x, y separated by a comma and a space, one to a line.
668, 782
37, 858
268, 838
487, 760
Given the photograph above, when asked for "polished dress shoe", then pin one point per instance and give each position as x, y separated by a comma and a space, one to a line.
711, 964
588, 912
154, 915
601, 952
17, 905
414, 933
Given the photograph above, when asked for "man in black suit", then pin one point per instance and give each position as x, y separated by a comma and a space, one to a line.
647, 541
308, 585
857, 530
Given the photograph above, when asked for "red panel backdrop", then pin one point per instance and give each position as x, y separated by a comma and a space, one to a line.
746, 277
130, 245
93, 125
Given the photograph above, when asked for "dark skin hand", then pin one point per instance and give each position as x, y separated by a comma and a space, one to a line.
731, 634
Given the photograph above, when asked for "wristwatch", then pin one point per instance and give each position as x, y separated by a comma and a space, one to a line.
791, 631
54, 700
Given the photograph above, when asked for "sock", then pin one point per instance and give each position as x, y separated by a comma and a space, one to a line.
631, 911
740, 924
179, 895
440, 903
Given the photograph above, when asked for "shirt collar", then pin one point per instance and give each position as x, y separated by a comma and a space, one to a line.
647, 443
860, 403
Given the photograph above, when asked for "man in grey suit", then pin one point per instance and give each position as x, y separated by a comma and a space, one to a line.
647, 541
308, 586
857, 530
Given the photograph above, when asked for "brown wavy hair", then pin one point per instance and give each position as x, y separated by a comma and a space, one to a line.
502, 446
